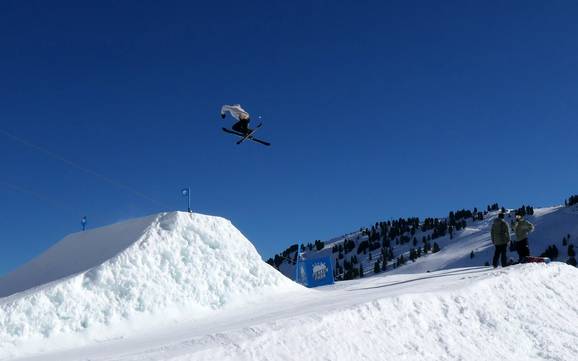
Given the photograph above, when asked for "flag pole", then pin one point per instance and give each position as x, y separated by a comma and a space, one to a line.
297, 262
187, 192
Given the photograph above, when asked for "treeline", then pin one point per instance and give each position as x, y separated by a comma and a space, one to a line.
571, 201
380, 240
276, 260
553, 253
348, 270
383, 236
524, 211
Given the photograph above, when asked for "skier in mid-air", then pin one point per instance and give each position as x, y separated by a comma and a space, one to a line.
243, 118
241, 127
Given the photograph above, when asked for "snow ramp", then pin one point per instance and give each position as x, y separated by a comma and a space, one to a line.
166, 264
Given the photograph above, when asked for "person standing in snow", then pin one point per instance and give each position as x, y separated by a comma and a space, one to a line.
522, 228
500, 238
243, 118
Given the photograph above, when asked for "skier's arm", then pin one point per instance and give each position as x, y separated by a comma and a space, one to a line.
224, 109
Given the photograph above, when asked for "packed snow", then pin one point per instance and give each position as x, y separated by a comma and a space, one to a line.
155, 268
191, 287
518, 313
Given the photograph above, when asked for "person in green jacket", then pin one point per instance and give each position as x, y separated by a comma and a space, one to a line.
522, 228
500, 238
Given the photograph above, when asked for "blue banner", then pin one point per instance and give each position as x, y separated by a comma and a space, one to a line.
317, 271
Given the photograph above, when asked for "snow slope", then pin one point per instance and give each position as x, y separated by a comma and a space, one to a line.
523, 312
75, 253
552, 224
191, 287
166, 266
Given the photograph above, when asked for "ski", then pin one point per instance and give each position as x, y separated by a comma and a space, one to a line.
245, 137
534, 259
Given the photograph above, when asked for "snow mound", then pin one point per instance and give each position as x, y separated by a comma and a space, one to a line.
523, 312
75, 253
190, 264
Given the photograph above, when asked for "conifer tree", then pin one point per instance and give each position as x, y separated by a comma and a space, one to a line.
571, 256
376, 267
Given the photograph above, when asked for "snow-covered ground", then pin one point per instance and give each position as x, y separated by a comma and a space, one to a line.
177, 286
519, 313
147, 271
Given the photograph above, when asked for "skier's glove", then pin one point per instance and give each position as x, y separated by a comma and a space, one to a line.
223, 116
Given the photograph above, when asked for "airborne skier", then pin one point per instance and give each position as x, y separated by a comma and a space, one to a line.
241, 127
243, 118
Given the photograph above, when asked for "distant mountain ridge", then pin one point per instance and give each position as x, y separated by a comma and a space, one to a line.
461, 239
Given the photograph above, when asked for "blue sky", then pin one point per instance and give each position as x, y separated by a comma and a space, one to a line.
375, 109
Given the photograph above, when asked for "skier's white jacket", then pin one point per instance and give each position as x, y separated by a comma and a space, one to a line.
236, 111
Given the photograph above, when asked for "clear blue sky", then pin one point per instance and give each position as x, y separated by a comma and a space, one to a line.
375, 110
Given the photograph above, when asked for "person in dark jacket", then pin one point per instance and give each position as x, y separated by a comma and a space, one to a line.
500, 238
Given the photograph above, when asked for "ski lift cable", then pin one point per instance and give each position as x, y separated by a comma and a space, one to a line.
79, 167
38, 196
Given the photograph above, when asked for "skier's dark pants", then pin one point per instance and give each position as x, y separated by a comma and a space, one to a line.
523, 250
242, 126
500, 253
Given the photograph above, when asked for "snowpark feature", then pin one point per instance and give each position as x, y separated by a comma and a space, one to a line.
218, 300
170, 264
